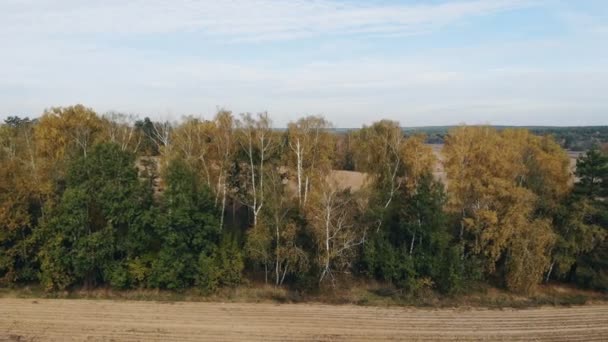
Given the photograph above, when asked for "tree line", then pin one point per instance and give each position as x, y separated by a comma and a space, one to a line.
111, 200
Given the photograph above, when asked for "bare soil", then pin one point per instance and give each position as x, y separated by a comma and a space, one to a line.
109, 320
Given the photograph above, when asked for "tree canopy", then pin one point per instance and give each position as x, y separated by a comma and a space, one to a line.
91, 200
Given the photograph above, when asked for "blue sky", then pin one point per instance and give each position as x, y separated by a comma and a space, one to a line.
511, 62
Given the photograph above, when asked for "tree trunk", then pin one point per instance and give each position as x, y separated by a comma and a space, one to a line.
265, 272
253, 186
305, 190
277, 265
327, 218
412, 243
284, 274
298, 152
549, 272
223, 206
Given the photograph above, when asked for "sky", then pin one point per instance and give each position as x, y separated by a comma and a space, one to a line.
502, 62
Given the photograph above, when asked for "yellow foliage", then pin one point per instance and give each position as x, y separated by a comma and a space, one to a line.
497, 182
529, 255
62, 131
418, 159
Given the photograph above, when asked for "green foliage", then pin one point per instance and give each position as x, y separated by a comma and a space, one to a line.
592, 171
386, 262
578, 233
414, 242
185, 227
99, 220
450, 274
208, 277
592, 268
582, 226
145, 128
78, 249
223, 267
188, 232
230, 261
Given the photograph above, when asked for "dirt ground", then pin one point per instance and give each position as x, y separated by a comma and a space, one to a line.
108, 320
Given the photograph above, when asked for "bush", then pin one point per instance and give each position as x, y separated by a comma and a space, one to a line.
223, 267
209, 274
451, 275
170, 271
117, 275
230, 262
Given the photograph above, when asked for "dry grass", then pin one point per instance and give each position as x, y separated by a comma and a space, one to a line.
355, 293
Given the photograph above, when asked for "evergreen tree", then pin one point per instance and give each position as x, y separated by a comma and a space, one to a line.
591, 267
592, 172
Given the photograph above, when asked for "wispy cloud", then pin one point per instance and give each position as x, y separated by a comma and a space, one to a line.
239, 20
169, 56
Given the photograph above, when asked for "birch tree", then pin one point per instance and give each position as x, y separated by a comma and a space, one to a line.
334, 220
223, 151
311, 149
62, 132
273, 241
418, 162
490, 188
161, 134
256, 140
120, 129
378, 151
193, 142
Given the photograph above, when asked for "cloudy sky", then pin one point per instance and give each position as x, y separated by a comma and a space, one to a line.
514, 62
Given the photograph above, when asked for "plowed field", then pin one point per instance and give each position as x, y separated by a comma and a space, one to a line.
106, 320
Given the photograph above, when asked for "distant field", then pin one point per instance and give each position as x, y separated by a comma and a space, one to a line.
107, 320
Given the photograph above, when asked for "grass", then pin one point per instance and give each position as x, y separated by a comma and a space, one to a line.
366, 294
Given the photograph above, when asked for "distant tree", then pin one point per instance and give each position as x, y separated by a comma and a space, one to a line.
17, 122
